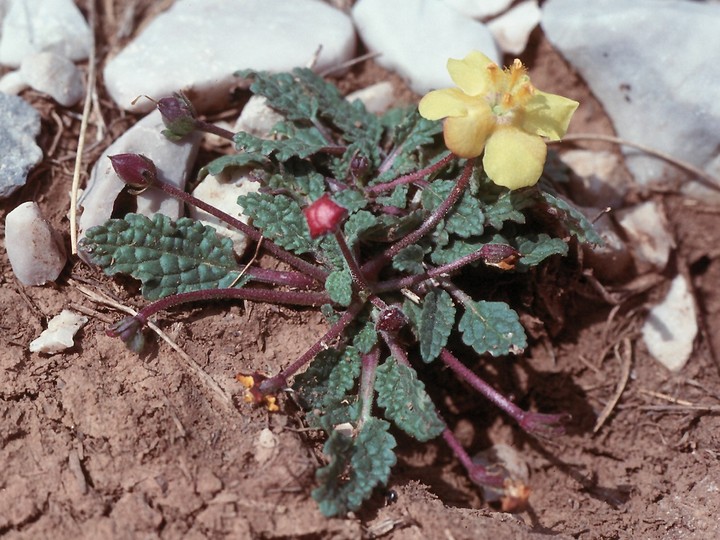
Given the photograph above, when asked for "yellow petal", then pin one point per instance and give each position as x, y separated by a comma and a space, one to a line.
443, 103
471, 73
513, 158
547, 115
465, 136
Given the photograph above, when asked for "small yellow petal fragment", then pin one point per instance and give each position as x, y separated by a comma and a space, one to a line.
270, 401
514, 159
443, 103
466, 136
470, 73
246, 380
547, 115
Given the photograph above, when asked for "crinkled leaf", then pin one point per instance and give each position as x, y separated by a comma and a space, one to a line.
167, 257
492, 327
574, 220
280, 219
296, 142
465, 219
338, 285
357, 224
397, 199
456, 249
356, 467
536, 248
406, 402
412, 311
410, 259
299, 177
506, 207
366, 338
437, 319
219, 165
351, 199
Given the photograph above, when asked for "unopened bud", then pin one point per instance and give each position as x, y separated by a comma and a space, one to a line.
134, 169
391, 319
324, 216
178, 115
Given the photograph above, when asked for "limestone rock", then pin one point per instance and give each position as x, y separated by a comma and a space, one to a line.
19, 125
54, 75
60, 333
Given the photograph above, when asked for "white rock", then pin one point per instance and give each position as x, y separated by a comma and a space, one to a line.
266, 446
223, 192
479, 9
19, 125
35, 250
647, 61
12, 83
54, 75
599, 179
648, 232
257, 117
512, 29
197, 45
671, 327
173, 160
60, 333
377, 98
416, 38
32, 26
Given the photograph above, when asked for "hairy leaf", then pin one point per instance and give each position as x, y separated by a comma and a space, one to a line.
492, 327
366, 338
465, 219
357, 224
536, 248
280, 219
219, 165
410, 259
351, 199
437, 319
339, 287
295, 142
505, 207
167, 257
574, 220
356, 467
405, 401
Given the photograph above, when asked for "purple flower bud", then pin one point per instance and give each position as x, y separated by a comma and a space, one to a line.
359, 166
134, 169
391, 319
178, 115
500, 256
324, 216
129, 330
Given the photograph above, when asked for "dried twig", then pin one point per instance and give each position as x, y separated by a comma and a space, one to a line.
625, 365
190, 364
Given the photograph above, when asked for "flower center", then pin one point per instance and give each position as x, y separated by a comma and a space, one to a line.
511, 90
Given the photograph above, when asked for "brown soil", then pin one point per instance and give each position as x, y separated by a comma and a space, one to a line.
98, 442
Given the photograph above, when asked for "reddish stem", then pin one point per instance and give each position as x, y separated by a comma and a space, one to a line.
279, 277
367, 384
209, 127
476, 472
412, 177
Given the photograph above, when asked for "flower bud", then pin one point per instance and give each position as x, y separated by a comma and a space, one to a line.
391, 319
134, 169
178, 115
129, 330
324, 216
500, 256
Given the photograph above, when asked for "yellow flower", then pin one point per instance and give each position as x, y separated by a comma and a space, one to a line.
500, 112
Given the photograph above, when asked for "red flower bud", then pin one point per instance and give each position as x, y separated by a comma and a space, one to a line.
178, 115
134, 169
323, 216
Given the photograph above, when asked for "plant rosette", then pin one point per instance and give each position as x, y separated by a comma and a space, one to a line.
376, 221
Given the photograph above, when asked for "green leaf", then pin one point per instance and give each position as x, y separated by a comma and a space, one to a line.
338, 285
280, 219
465, 218
410, 259
296, 142
357, 224
574, 220
397, 199
366, 338
456, 249
218, 166
351, 199
356, 467
506, 207
437, 319
406, 402
167, 257
492, 327
536, 248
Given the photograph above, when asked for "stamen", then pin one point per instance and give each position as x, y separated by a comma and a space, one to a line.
494, 72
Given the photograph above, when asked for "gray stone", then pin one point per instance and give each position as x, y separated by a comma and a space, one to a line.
32, 26
35, 250
54, 75
652, 65
415, 38
172, 159
197, 45
19, 125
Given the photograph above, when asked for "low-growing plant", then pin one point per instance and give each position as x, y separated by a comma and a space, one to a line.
376, 220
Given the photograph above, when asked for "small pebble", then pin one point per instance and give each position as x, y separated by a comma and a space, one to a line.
479, 9
12, 83
60, 333
54, 75
512, 29
377, 98
648, 232
257, 118
19, 125
33, 26
416, 38
35, 250
671, 327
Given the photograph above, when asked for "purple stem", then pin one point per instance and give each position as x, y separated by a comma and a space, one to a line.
310, 269
373, 266
279, 277
487, 252
476, 472
412, 177
279, 381
355, 271
298, 298
536, 423
208, 127
367, 384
